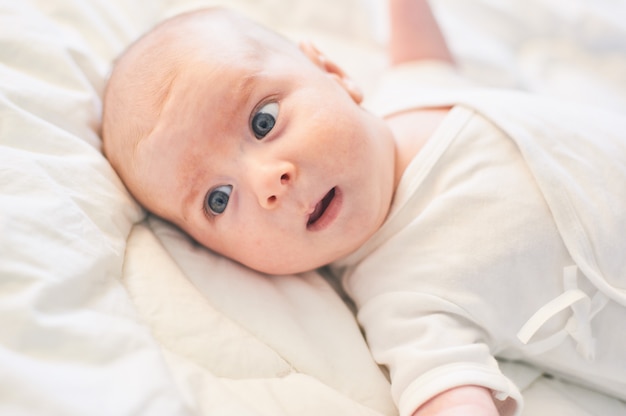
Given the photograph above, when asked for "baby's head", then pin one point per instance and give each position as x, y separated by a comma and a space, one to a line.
258, 148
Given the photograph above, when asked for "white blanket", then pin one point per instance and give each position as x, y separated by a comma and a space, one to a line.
104, 311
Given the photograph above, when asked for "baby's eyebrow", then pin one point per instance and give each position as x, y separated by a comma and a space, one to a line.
191, 195
246, 87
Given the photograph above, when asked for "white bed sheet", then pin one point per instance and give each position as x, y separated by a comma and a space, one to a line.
105, 311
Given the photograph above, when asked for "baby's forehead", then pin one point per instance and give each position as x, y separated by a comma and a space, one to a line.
217, 29
179, 50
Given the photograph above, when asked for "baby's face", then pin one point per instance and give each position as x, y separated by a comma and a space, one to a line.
268, 159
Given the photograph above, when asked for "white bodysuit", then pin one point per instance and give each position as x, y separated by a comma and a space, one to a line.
507, 238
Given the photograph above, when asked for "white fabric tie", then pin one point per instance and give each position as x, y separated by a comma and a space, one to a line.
578, 326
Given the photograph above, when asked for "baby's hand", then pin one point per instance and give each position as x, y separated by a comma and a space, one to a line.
460, 401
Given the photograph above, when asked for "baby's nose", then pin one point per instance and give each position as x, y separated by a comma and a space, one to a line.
272, 181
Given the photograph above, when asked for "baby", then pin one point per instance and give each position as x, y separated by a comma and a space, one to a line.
465, 224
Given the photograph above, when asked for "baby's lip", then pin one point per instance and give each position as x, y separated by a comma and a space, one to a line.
325, 211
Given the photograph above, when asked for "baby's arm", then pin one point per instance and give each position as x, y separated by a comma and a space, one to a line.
460, 401
414, 33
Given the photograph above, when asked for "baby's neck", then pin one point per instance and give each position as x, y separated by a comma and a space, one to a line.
411, 130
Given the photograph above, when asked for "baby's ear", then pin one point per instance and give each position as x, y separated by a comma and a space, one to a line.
330, 67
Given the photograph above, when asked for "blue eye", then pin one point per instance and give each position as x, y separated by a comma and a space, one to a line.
217, 199
264, 120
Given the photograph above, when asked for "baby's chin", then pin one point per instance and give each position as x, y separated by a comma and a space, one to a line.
287, 264
294, 264
283, 269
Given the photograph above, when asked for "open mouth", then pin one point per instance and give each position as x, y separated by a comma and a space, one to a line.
320, 209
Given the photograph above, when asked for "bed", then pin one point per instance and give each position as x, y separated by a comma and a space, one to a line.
106, 310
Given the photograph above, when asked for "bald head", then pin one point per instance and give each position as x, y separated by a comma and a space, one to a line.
143, 75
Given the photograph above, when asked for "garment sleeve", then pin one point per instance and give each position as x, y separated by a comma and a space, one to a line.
429, 346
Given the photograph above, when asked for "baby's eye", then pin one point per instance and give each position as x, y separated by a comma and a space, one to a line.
264, 120
217, 199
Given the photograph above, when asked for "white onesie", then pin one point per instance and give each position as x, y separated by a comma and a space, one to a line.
507, 238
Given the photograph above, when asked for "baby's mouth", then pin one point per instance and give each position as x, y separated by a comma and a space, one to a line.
320, 208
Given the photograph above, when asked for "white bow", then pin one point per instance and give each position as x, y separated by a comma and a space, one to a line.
578, 326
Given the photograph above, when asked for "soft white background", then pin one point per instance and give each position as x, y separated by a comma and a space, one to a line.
99, 316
